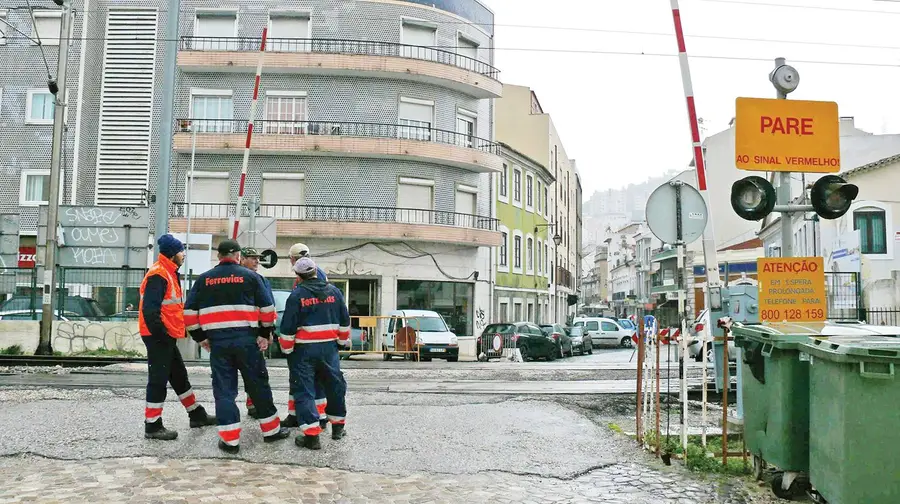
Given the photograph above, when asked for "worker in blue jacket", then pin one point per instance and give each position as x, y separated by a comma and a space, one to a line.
315, 322
232, 314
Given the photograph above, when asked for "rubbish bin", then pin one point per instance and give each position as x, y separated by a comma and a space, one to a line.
775, 387
854, 425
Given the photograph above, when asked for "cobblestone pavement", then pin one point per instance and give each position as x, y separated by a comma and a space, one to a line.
151, 480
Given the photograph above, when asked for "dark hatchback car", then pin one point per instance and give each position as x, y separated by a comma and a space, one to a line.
558, 333
527, 337
74, 305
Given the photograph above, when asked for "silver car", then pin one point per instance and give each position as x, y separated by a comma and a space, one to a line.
581, 341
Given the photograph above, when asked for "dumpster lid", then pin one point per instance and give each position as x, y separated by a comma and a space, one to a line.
828, 328
854, 348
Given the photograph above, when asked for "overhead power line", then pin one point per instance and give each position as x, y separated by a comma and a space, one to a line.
795, 6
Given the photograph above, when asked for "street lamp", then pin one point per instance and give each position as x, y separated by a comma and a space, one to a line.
557, 239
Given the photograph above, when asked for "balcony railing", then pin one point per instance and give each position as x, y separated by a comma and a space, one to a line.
330, 213
332, 128
340, 46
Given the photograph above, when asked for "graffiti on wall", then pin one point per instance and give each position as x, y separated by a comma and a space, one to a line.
480, 322
81, 336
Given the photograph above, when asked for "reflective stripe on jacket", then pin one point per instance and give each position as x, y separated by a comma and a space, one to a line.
170, 308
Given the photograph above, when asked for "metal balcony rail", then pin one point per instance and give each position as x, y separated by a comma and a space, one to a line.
331, 213
340, 46
332, 128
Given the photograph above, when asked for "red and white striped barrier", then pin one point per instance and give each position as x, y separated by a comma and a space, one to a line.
253, 105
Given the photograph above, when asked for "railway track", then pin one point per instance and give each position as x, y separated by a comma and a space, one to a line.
67, 361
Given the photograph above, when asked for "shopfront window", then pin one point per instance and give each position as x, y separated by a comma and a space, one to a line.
453, 300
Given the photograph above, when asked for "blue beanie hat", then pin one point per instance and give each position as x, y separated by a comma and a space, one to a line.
169, 246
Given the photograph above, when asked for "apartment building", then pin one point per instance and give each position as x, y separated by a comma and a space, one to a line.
372, 142
522, 124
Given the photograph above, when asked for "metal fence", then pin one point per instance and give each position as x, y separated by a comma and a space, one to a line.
340, 46
843, 296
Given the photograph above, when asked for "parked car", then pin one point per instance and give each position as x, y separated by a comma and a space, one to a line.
123, 316
527, 337
605, 331
87, 308
699, 330
65, 316
433, 338
628, 325
558, 333
580, 340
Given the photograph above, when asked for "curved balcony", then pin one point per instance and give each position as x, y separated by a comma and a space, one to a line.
361, 58
347, 139
359, 222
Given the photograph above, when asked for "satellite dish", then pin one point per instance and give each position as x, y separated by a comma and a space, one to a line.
662, 217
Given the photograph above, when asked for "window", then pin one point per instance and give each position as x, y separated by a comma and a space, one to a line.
540, 266
216, 31
469, 50
872, 231
504, 250
518, 313
418, 40
592, 325
416, 118
531, 312
415, 200
285, 192
517, 186
538, 197
46, 27
285, 113
35, 187
451, 300
465, 128
213, 110
210, 193
288, 32
2, 27
504, 182
529, 255
529, 191
608, 326
517, 252
504, 312
546, 206
39, 107
547, 259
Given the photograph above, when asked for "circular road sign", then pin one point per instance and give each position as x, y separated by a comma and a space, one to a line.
497, 343
268, 258
661, 215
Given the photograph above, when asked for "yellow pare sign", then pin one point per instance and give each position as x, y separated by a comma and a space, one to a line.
792, 289
368, 321
787, 135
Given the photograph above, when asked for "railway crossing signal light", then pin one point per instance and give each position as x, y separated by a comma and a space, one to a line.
832, 196
752, 198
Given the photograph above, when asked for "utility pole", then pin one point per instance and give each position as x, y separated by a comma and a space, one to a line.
58, 88
166, 126
785, 78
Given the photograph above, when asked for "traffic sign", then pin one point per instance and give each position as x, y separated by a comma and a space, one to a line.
268, 258
792, 289
662, 217
787, 135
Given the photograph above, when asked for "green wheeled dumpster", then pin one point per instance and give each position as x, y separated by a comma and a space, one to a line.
775, 386
854, 419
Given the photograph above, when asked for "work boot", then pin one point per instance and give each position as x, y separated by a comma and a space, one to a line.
278, 436
337, 431
156, 430
227, 448
251, 412
199, 418
307, 441
290, 421
323, 423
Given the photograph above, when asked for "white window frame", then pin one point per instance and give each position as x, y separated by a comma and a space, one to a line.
546, 200
466, 115
28, 99
887, 208
460, 35
223, 12
539, 259
23, 177
529, 258
520, 269
284, 93
503, 184
416, 101
538, 195
294, 213
547, 266
529, 208
504, 268
3, 27
46, 14
513, 187
211, 92
415, 52
287, 13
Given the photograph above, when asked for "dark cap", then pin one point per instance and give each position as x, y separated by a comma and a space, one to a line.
229, 247
250, 252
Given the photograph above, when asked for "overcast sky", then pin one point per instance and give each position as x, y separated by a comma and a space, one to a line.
623, 117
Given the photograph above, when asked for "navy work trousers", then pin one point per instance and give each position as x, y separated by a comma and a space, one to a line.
226, 359
165, 366
308, 362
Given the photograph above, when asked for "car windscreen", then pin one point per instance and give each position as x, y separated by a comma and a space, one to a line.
627, 324
281, 297
499, 328
427, 324
576, 331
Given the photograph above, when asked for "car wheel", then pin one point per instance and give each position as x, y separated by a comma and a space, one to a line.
552, 355
453, 359
524, 351
386, 356
625, 343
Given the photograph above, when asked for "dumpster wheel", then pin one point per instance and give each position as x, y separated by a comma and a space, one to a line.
798, 485
759, 467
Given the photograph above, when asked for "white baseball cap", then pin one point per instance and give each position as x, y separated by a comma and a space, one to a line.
304, 266
298, 250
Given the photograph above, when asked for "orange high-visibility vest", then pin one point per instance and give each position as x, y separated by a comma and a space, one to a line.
172, 309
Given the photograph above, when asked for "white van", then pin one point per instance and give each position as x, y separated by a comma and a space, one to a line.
433, 338
604, 331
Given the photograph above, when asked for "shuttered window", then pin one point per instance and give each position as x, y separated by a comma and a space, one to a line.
288, 33
415, 200
415, 119
419, 41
